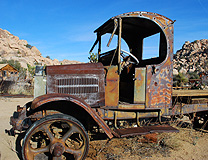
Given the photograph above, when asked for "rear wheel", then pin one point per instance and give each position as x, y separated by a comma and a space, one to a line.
56, 137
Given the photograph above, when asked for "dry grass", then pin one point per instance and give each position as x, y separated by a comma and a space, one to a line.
20, 89
132, 148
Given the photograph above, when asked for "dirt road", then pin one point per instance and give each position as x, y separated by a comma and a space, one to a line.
188, 144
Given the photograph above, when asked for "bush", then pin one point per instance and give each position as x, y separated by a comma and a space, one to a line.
22, 73
31, 69
28, 46
180, 79
21, 88
48, 57
93, 58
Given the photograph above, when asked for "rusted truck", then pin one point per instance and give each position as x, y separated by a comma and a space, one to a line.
123, 86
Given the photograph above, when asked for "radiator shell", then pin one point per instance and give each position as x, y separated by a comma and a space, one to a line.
85, 81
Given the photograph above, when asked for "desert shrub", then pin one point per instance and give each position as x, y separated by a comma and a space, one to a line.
48, 57
31, 69
93, 58
20, 88
180, 79
22, 73
29, 46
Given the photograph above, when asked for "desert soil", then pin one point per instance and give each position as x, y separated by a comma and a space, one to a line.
188, 144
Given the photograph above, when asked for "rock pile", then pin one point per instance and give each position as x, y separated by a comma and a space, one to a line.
12, 48
193, 57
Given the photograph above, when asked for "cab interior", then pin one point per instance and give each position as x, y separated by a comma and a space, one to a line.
132, 52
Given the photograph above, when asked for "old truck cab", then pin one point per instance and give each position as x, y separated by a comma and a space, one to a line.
135, 77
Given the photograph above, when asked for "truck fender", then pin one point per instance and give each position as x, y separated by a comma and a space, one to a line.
41, 100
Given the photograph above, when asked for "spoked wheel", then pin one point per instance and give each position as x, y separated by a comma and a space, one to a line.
55, 137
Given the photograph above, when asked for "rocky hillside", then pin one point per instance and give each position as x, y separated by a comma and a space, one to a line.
12, 48
193, 57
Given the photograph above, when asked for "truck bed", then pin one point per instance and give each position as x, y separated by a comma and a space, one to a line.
190, 93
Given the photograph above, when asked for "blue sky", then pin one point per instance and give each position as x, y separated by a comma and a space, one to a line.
64, 29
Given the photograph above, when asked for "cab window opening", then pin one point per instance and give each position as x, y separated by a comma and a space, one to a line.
151, 47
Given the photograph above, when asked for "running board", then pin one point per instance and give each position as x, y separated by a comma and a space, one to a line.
144, 130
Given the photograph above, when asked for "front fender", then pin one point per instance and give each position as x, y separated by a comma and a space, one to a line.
41, 100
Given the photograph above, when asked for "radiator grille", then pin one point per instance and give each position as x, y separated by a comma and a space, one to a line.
84, 81
77, 85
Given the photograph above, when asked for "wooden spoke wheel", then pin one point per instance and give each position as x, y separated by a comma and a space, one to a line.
56, 137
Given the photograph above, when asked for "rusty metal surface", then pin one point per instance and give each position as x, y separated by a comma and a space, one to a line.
85, 81
159, 87
66, 97
188, 108
135, 27
108, 26
127, 107
145, 130
126, 113
18, 118
190, 93
139, 85
159, 76
112, 86
55, 140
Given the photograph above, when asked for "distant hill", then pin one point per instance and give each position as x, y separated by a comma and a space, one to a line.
12, 48
193, 57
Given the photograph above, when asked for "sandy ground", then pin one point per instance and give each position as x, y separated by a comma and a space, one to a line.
188, 144
7, 143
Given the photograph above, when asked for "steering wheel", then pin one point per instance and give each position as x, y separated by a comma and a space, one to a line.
126, 60
125, 57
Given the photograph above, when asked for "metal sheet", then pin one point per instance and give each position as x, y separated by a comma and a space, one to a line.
66, 97
139, 85
159, 86
160, 76
85, 81
190, 93
112, 86
145, 130
188, 108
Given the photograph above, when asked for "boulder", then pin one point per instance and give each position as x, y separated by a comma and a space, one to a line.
35, 51
175, 72
192, 57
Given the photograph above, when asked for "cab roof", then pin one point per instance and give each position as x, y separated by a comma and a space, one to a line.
142, 23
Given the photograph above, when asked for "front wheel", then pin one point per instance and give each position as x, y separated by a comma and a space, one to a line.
56, 137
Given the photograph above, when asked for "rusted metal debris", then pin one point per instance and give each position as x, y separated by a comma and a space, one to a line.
149, 138
145, 130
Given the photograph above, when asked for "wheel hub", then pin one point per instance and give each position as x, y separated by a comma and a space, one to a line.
57, 149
